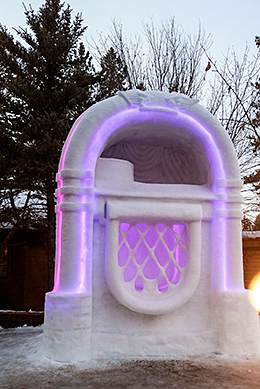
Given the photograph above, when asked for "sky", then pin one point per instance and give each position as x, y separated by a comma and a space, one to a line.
232, 23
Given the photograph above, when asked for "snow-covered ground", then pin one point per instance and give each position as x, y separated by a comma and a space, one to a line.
23, 366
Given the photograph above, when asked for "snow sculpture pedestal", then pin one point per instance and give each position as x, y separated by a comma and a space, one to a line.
149, 246
67, 327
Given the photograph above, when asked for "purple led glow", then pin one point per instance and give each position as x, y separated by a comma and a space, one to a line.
151, 270
124, 226
133, 237
94, 145
123, 254
130, 272
161, 253
141, 227
59, 221
139, 285
58, 241
125, 117
70, 136
153, 250
58, 252
169, 239
141, 253
151, 237
163, 286
225, 264
172, 273
82, 264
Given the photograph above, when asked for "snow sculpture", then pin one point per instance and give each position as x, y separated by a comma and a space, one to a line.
149, 257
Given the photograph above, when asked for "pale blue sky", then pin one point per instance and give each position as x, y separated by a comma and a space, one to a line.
231, 22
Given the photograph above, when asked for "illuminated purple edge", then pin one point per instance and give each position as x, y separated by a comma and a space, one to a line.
98, 142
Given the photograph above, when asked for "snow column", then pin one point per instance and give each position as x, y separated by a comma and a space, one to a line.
238, 323
68, 308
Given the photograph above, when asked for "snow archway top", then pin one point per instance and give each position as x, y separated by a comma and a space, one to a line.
127, 112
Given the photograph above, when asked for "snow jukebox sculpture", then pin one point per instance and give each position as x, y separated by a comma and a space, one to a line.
148, 258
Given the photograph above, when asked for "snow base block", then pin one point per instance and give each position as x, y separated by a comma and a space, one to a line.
67, 327
238, 324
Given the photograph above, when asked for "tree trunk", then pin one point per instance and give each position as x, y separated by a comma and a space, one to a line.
20, 219
6, 240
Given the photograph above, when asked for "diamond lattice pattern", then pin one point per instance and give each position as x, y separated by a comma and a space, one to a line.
152, 257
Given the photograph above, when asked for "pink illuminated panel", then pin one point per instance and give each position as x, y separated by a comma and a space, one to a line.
152, 254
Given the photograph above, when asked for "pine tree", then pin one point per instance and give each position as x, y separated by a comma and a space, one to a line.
247, 225
112, 75
256, 226
46, 81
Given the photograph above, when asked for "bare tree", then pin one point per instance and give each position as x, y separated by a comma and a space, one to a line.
230, 97
166, 60
128, 49
174, 58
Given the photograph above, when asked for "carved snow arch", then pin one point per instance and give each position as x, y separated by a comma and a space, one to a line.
109, 122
